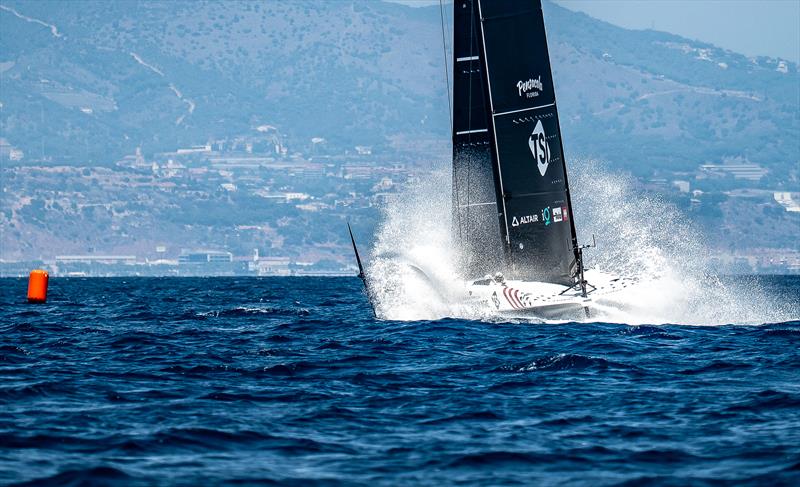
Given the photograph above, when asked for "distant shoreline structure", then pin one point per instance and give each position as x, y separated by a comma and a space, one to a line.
201, 276
190, 263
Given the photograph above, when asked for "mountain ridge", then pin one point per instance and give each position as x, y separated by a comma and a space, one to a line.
195, 71
130, 126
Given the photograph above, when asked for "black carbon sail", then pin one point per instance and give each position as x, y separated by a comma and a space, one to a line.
510, 188
476, 217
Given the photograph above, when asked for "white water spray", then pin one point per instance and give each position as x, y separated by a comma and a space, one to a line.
412, 270
645, 237
413, 273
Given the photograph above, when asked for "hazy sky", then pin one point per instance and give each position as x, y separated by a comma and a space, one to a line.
751, 27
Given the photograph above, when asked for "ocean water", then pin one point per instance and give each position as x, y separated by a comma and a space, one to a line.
291, 380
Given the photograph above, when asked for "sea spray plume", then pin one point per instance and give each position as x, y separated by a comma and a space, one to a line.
412, 269
643, 236
639, 234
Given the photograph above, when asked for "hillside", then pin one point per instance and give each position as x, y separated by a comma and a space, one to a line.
166, 74
162, 75
126, 126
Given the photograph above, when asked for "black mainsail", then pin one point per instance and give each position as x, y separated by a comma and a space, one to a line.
512, 208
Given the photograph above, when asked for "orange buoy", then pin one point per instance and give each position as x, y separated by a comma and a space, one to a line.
37, 286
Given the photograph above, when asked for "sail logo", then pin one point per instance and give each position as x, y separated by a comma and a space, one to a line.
540, 149
546, 216
530, 88
556, 214
524, 220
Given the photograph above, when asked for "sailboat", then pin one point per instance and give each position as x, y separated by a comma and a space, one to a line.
512, 208
512, 211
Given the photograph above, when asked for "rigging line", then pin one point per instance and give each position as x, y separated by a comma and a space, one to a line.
446, 73
469, 103
455, 181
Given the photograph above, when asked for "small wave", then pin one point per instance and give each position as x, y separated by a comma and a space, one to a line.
22, 327
279, 338
795, 467
650, 331
568, 421
660, 456
91, 330
117, 397
783, 332
254, 310
717, 366
562, 361
766, 400
204, 370
90, 476
331, 345
265, 397
10, 354
525, 383
136, 338
377, 379
127, 375
204, 435
192, 439
10, 440
291, 368
143, 316
38, 390
469, 416
334, 413
207, 439
269, 352
236, 397
484, 459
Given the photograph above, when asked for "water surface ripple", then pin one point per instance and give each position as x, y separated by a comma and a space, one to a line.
290, 380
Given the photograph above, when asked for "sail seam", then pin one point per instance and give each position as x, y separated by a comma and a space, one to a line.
523, 109
494, 128
446, 69
541, 193
478, 204
470, 58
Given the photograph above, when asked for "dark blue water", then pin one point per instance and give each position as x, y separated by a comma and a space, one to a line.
290, 380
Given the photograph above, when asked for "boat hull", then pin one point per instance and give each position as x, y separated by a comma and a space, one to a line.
519, 298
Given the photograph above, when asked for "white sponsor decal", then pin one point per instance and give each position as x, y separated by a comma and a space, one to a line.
526, 88
556, 214
524, 220
540, 148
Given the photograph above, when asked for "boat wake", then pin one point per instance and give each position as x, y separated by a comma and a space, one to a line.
413, 270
